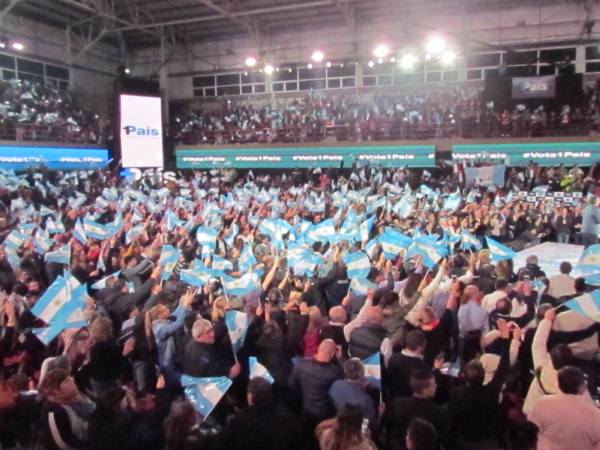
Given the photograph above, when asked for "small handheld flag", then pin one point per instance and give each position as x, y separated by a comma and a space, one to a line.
237, 326
498, 251
372, 366
587, 305
206, 393
258, 370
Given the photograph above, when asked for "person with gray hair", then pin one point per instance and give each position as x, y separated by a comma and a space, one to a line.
354, 389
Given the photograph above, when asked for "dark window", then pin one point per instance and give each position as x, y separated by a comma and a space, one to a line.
203, 81
451, 75
64, 85
26, 65
57, 72
433, 77
370, 81
309, 74
7, 61
520, 71
252, 77
491, 73
312, 84
474, 74
247, 89
589, 67
547, 70
228, 90
8, 75
291, 86
198, 92
209, 92
348, 82
385, 80
486, 59
338, 71
557, 54
30, 77
514, 58
228, 80
278, 87
408, 78
335, 83
259, 88
590, 52
52, 83
285, 75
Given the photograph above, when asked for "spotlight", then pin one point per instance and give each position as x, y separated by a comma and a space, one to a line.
127, 71
277, 69
2, 43
380, 61
381, 51
245, 74
290, 70
317, 56
18, 46
393, 59
427, 57
269, 69
435, 45
310, 66
370, 64
408, 61
448, 58
250, 61
328, 64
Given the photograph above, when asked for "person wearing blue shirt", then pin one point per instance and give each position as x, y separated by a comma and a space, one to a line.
352, 389
589, 223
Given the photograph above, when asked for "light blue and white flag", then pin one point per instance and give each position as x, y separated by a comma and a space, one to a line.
115, 226
241, 286
364, 230
45, 211
15, 240
61, 256
94, 229
431, 252
79, 232
166, 252
358, 265
257, 370
403, 208
247, 260
452, 202
593, 280
498, 251
393, 242
134, 232
469, 241
221, 264
321, 232
206, 393
587, 305
234, 230
206, 236
101, 284
372, 366
590, 258
172, 220
237, 326
374, 204
361, 286
42, 242
371, 247
53, 300
169, 265
349, 228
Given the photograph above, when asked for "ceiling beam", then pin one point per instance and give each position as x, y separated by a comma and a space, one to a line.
243, 21
8, 8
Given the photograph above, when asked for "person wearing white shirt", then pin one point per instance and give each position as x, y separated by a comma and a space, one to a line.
489, 301
563, 283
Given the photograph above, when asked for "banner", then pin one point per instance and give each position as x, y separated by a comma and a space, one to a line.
486, 175
307, 157
572, 198
14, 157
533, 87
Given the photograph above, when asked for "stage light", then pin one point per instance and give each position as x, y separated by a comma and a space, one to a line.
245, 74
269, 69
250, 61
393, 59
18, 46
435, 45
310, 66
317, 56
370, 64
277, 69
380, 61
127, 71
427, 57
408, 61
448, 58
2, 44
381, 51
328, 64
290, 70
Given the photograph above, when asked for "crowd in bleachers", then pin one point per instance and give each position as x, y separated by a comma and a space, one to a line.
32, 112
438, 112
382, 307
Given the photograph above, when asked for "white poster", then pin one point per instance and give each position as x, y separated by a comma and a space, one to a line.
141, 131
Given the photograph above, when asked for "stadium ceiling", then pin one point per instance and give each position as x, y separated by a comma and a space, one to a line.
143, 23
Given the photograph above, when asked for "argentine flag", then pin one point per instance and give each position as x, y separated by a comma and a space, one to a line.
590, 258
240, 286
587, 305
403, 208
61, 256
498, 251
14, 240
237, 327
136, 231
393, 242
371, 247
361, 286
198, 276
221, 264
468, 241
257, 370
452, 202
205, 393
358, 265
593, 280
54, 299
431, 252
101, 284
206, 236
321, 232
372, 366
94, 229
247, 259
169, 265
79, 232
42, 242
172, 220
365, 229
166, 253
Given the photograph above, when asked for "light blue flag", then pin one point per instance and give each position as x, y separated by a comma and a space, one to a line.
94, 229
300, 260
590, 258
47, 334
115, 226
271, 228
430, 251
372, 366
241, 286
79, 232
101, 284
234, 230
247, 260
593, 280
13, 259
452, 202
169, 265
498, 251
358, 265
371, 247
321, 232
365, 229
206, 393
393, 242
349, 228
469, 241
15, 240
587, 305
42, 242
172, 221
45, 211
54, 299
206, 236
237, 326
134, 232
361, 286
221, 264
27, 228
166, 252
257, 370
61, 256
379, 203
403, 208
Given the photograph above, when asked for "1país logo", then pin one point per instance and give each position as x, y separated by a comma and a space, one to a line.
140, 131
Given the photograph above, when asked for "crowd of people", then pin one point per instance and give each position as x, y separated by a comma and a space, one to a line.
115, 292
435, 113
30, 111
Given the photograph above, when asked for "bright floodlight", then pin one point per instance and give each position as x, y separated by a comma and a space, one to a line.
328, 64
269, 69
250, 61
435, 45
310, 66
371, 64
408, 61
448, 58
317, 56
381, 51
18, 46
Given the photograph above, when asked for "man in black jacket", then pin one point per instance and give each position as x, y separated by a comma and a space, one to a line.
403, 364
367, 339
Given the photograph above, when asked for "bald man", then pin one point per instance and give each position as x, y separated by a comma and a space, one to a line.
334, 330
371, 337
